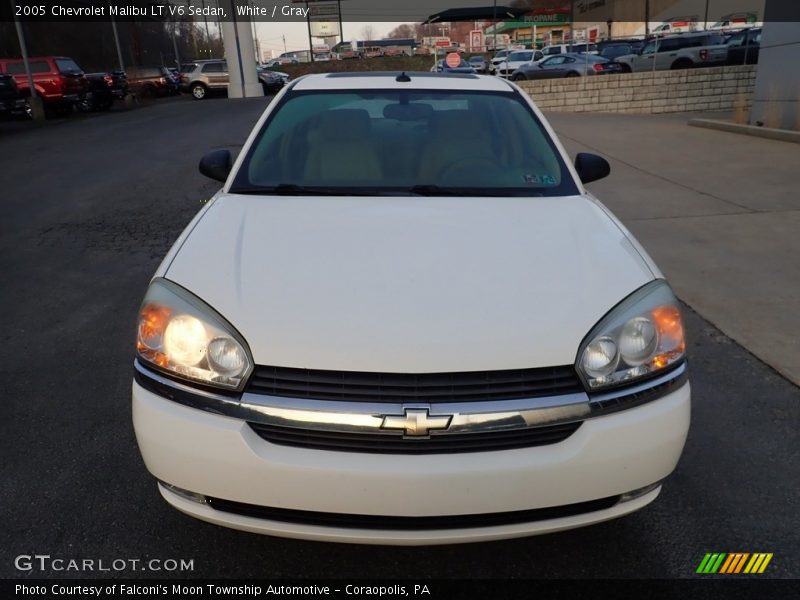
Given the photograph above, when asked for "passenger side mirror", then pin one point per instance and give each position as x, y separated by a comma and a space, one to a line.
591, 167
216, 165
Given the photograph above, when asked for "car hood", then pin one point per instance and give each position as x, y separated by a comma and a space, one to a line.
409, 284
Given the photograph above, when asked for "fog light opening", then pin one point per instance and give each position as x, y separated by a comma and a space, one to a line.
185, 494
638, 493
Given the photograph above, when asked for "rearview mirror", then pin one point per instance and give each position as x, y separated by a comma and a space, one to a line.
216, 164
591, 167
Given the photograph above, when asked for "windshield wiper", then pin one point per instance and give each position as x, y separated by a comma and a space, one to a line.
436, 190
291, 189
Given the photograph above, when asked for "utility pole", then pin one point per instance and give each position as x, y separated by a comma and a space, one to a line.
116, 42
284, 44
341, 31
208, 35
310, 43
705, 22
646, 18
36, 105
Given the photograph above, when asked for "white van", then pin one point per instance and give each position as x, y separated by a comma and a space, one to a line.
676, 25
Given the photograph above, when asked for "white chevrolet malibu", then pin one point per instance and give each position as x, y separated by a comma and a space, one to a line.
404, 320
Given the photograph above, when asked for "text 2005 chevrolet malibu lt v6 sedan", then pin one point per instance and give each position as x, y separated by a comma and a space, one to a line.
404, 320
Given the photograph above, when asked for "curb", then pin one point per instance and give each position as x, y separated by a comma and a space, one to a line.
783, 135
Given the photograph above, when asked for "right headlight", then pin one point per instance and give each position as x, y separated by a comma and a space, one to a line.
641, 336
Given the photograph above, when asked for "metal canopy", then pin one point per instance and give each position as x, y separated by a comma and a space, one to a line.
481, 13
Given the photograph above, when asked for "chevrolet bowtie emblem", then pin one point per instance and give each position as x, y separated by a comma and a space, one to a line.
416, 422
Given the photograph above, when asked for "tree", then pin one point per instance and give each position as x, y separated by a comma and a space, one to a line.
403, 31
368, 32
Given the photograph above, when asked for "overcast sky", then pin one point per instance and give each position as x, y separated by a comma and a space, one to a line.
270, 34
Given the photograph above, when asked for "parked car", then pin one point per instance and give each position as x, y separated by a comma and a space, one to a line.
271, 81
478, 62
10, 99
703, 49
516, 59
151, 82
743, 47
443, 67
176, 78
613, 49
676, 25
58, 80
204, 76
576, 48
498, 58
567, 65
104, 88
352, 342
636, 44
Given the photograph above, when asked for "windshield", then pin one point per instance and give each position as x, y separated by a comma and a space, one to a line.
415, 142
67, 65
520, 56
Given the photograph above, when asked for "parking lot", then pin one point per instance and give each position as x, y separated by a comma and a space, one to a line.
91, 204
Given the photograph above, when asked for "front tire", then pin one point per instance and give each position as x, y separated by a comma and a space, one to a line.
626, 68
519, 77
572, 74
199, 91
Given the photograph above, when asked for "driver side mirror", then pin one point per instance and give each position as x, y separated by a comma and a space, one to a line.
216, 165
591, 167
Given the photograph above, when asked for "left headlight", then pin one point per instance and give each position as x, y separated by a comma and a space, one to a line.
180, 334
639, 337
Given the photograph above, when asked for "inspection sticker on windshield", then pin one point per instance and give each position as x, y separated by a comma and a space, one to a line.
540, 179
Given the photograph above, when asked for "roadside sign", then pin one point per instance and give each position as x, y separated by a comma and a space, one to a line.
443, 43
453, 60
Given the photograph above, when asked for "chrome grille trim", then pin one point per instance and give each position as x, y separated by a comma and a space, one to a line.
365, 417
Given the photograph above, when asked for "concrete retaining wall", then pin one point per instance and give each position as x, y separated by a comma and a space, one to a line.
687, 90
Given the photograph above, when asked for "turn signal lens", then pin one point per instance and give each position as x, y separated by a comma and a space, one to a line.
180, 334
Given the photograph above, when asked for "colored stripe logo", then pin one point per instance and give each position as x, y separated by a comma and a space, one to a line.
734, 563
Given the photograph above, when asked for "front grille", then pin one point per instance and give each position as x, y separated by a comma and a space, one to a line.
352, 521
395, 443
414, 387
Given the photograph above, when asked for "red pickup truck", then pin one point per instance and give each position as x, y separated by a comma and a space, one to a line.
58, 80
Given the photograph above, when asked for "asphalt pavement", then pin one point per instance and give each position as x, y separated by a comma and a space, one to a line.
91, 204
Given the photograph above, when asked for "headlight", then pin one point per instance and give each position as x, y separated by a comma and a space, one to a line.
640, 336
180, 334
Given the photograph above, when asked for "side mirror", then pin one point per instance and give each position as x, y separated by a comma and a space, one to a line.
591, 167
216, 165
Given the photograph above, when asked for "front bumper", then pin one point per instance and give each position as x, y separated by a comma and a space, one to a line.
221, 457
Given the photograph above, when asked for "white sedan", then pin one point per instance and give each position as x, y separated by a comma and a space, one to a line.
356, 340
515, 60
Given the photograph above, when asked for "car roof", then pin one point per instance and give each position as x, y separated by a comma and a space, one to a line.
388, 80
688, 34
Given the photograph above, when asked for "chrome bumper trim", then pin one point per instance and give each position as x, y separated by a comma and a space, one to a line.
364, 417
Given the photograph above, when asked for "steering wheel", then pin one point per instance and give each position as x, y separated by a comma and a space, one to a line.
471, 164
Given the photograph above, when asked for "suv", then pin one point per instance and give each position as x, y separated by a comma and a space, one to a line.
743, 47
58, 80
10, 99
684, 51
202, 76
150, 81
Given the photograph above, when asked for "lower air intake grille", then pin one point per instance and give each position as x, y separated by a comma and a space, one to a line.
306, 517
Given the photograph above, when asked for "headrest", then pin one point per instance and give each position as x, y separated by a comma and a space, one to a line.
345, 124
458, 125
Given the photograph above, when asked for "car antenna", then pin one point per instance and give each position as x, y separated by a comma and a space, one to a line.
403, 78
